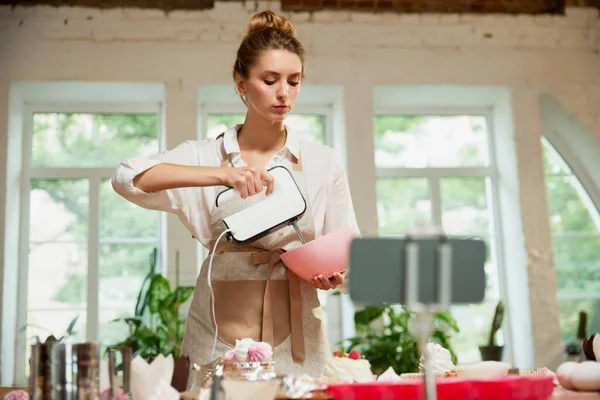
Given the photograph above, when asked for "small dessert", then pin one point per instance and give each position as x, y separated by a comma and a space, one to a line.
441, 360
249, 360
347, 367
247, 350
389, 376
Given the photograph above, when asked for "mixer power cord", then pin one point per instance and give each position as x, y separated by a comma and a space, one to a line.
212, 293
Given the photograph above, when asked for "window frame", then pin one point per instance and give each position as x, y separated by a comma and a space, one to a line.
433, 175
94, 176
326, 110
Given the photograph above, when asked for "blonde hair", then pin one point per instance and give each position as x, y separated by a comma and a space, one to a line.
266, 31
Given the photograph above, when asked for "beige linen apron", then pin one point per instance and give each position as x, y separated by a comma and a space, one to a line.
257, 297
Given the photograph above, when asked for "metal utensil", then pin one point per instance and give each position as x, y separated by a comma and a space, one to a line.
65, 371
112, 369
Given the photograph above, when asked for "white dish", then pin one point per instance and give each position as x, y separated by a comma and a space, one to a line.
484, 369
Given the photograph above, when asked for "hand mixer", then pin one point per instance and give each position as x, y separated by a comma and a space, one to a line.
283, 207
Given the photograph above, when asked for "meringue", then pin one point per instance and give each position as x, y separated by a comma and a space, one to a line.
247, 350
440, 359
259, 352
241, 349
343, 369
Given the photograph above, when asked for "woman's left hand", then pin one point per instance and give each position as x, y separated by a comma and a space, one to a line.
321, 282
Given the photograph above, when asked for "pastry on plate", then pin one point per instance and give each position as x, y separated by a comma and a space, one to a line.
347, 368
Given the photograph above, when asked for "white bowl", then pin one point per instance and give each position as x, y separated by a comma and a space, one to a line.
484, 369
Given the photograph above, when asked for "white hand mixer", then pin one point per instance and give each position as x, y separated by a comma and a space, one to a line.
283, 207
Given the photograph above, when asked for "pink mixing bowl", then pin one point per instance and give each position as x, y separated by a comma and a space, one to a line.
324, 255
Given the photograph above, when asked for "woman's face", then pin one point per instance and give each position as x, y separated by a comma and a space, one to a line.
273, 84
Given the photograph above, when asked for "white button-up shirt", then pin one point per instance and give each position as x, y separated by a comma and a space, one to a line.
327, 185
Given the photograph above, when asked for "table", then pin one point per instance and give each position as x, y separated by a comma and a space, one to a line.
562, 394
559, 394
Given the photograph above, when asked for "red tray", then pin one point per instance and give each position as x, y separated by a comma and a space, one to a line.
500, 388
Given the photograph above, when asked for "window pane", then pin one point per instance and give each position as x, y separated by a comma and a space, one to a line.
474, 320
577, 264
111, 331
575, 225
91, 140
58, 243
57, 275
308, 126
430, 141
311, 127
402, 204
464, 206
474, 323
553, 162
566, 207
122, 270
219, 123
569, 316
122, 219
58, 210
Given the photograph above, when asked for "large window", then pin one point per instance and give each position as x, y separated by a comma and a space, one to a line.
438, 170
310, 126
575, 229
84, 249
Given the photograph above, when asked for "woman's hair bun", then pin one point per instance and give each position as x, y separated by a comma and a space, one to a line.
268, 19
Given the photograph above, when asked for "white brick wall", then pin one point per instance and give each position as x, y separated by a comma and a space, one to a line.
547, 50
530, 54
577, 32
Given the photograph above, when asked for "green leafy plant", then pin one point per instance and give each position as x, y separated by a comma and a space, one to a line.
496, 323
582, 325
392, 344
51, 338
157, 326
574, 348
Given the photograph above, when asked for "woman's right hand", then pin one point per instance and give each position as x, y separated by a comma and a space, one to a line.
248, 181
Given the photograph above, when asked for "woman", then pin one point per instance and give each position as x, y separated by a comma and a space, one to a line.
255, 296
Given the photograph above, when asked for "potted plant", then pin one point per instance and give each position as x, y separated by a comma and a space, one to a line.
574, 348
492, 351
385, 340
45, 346
157, 326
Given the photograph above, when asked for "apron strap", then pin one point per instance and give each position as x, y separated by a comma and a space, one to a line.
297, 328
271, 258
295, 287
297, 163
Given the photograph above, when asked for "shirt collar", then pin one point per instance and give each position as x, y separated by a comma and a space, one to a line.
231, 145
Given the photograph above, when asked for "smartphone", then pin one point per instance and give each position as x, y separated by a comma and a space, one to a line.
378, 270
